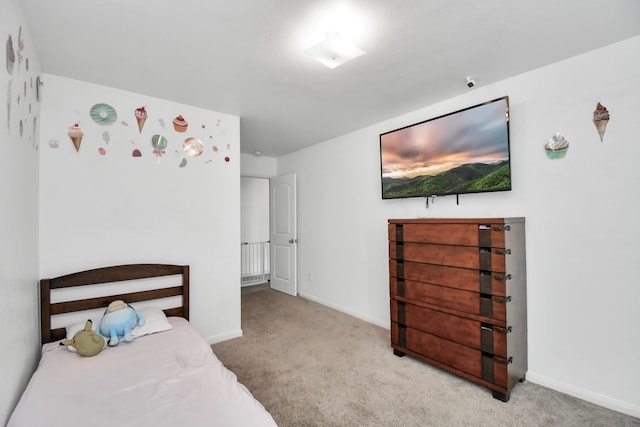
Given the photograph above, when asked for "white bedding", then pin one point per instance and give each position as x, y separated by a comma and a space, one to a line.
171, 378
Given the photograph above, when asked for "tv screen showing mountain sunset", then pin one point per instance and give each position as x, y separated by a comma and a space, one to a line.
462, 152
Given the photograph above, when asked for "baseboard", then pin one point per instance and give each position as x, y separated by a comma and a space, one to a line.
375, 321
223, 337
595, 398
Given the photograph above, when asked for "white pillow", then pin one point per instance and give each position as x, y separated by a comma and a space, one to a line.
154, 321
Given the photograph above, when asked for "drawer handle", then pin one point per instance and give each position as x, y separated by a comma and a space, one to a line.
502, 277
503, 361
502, 299
501, 228
502, 251
502, 330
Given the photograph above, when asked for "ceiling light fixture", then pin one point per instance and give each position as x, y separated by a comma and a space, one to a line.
334, 50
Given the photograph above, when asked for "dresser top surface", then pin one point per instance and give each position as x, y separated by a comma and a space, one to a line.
457, 220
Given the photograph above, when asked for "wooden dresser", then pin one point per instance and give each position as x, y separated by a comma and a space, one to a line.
458, 297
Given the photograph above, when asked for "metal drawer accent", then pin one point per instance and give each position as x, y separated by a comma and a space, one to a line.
487, 367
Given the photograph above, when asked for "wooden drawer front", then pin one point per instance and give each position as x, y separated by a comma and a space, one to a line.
458, 356
449, 234
491, 259
468, 332
460, 278
472, 303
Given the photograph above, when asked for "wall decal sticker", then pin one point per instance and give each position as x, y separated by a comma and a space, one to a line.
192, 147
159, 144
141, 117
53, 143
9, 105
183, 163
227, 159
600, 119
556, 147
106, 137
20, 47
21, 127
161, 123
124, 123
76, 134
102, 151
11, 55
215, 148
103, 114
136, 153
38, 85
180, 124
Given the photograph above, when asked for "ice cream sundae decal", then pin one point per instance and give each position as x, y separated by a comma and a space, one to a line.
600, 119
76, 134
556, 147
141, 117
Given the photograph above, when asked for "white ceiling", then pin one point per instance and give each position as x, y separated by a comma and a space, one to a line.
244, 57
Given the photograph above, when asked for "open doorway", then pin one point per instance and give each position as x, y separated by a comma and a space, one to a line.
254, 235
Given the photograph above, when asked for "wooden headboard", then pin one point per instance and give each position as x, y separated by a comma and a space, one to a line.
112, 274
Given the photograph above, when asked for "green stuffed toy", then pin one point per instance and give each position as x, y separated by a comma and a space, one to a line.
87, 342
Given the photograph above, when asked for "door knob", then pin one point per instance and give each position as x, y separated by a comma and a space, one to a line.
293, 240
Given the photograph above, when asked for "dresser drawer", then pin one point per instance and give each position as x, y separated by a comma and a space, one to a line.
475, 234
451, 354
472, 333
486, 282
491, 259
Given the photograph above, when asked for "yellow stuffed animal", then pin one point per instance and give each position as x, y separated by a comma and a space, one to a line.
87, 342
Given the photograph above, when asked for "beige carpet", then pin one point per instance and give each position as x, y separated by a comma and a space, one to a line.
310, 365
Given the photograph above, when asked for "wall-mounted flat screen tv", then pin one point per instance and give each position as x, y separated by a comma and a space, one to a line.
466, 151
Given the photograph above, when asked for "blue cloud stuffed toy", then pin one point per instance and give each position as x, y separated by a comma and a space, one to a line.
118, 321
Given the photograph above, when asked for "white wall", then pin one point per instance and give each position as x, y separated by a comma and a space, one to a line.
258, 166
18, 209
582, 220
98, 210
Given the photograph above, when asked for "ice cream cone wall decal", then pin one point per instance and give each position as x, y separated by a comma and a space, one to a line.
76, 134
600, 119
141, 117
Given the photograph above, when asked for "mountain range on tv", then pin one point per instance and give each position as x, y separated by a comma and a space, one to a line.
469, 178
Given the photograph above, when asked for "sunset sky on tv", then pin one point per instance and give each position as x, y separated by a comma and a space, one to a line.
475, 135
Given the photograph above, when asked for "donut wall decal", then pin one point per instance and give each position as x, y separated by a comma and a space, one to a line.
23, 90
103, 114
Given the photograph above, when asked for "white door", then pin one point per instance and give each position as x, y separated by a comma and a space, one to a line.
284, 241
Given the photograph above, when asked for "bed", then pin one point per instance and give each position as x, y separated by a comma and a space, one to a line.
167, 376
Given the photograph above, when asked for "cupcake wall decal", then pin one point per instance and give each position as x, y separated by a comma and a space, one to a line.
180, 124
556, 147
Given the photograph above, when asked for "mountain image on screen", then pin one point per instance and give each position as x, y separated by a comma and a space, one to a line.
473, 178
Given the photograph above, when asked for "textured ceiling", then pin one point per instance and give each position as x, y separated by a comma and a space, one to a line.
245, 57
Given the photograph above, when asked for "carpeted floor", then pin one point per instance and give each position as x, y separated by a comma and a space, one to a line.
310, 365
